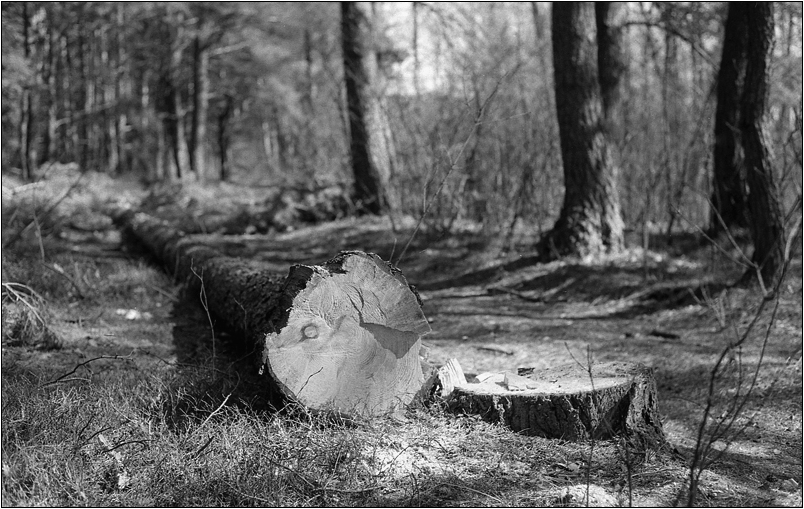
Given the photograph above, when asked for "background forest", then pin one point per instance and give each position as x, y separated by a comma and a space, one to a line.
254, 93
566, 183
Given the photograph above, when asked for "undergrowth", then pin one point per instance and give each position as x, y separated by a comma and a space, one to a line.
125, 439
25, 318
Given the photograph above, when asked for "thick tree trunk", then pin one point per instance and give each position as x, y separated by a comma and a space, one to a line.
728, 182
342, 337
564, 402
765, 211
589, 222
367, 141
611, 58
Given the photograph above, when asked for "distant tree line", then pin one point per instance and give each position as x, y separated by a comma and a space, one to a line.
585, 120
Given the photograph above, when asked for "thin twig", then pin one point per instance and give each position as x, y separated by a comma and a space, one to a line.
214, 411
164, 292
362, 490
82, 364
128, 442
203, 297
675, 32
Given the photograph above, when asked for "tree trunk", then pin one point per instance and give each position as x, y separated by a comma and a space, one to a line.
343, 337
367, 145
223, 137
84, 97
111, 98
165, 109
162, 162
48, 81
611, 58
120, 75
176, 131
765, 212
589, 222
728, 182
415, 45
565, 402
309, 84
198, 134
26, 109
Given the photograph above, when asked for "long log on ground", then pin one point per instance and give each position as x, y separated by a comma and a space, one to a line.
568, 402
341, 337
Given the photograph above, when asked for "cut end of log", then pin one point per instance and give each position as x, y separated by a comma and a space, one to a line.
568, 402
343, 337
350, 340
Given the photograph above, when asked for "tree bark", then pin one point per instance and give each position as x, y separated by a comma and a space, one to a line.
611, 58
49, 84
728, 182
120, 75
223, 117
26, 108
198, 134
566, 402
766, 220
343, 337
367, 143
589, 222
84, 99
171, 107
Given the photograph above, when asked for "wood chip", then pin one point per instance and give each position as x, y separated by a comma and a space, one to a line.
517, 383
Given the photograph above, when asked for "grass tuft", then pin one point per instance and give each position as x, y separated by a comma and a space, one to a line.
25, 318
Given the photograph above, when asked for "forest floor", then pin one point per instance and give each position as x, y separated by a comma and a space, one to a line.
116, 391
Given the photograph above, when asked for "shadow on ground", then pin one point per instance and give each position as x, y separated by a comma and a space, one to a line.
215, 368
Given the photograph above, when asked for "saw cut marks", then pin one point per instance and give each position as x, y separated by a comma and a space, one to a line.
364, 356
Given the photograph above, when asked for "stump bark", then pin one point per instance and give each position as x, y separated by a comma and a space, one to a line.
341, 337
566, 402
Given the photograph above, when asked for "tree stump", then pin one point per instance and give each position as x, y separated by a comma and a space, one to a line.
342, 337
567, 402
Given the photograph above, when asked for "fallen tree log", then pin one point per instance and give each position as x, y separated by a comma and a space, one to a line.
568, 402
341, 337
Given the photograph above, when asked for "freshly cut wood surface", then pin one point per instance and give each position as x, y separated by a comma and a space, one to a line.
449, 376
617, 398
351, 339
341, 337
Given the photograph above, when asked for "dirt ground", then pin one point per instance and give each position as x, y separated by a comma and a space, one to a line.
106, 299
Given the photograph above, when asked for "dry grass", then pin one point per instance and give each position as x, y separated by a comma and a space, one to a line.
25, 318
126, 442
